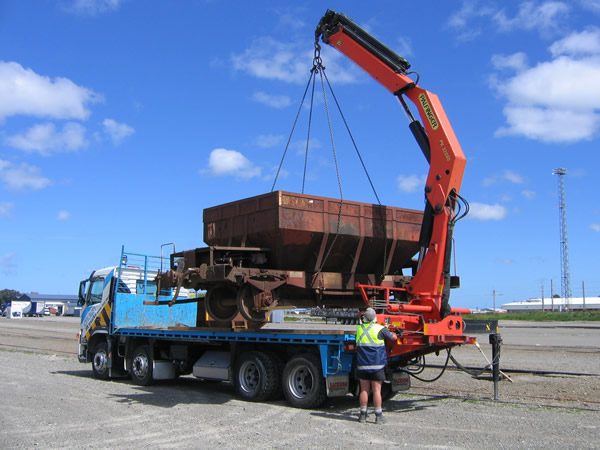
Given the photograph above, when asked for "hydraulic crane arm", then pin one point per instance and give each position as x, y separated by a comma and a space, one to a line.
431, 282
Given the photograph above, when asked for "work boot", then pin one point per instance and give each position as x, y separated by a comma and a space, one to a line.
363, 417
379, 419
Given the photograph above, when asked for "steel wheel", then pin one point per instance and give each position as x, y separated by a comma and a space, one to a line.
221, 303
257, 376
100, 362
245, 303
249, 377
141, 366
303, 382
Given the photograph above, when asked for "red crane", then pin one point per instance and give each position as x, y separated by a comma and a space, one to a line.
427, 322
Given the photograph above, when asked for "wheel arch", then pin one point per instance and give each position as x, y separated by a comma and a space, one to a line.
131, 344
99, 335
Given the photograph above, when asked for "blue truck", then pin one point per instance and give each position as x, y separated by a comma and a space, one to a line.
131, 328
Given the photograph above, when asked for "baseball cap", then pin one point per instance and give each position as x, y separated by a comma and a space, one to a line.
369, 315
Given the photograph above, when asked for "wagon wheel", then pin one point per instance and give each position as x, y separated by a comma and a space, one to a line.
246, 304
221, 303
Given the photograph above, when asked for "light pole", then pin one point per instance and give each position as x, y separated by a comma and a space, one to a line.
494, 297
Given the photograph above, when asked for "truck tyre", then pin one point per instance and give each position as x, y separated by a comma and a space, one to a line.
100, 361
303, 382
141, 366
256, 376
280, 366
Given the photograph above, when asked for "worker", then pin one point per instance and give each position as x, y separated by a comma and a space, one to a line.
371, 361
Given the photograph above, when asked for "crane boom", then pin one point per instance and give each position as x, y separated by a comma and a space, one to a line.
431, 282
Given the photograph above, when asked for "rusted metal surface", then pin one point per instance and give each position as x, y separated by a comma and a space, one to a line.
299, 229
284, 249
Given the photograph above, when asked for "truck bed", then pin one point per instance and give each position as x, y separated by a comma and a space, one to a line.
266, 335
135, 315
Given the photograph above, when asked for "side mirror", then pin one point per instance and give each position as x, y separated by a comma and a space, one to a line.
81, 300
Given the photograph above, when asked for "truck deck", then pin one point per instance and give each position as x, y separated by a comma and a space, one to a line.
272, 335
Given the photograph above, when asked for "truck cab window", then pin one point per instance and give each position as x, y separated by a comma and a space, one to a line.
95, 294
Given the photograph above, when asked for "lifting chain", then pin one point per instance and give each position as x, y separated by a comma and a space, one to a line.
319, 68
317, 61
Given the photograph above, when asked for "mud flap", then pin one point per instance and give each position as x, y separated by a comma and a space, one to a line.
337, 385
400, 381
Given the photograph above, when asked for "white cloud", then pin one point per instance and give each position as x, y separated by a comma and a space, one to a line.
549, 108
577, 87
290, 18
6, 209
274, 101
223, 162
507, 175
269, 141
272, 60
549, 125
544, 17
516, 61
22, 177
529, 195
586, 42
299, 146
24, 92
411, 183
8, 263
403, 47
592, 5
63, 215
506, 261
291, 63
117, 131
595, 227
44, 138
93, 7
462, 20
274, 172
481, 211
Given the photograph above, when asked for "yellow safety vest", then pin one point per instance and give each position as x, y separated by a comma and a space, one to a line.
371, 354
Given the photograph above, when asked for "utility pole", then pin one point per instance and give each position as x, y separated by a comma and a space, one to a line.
542, 297
494, 297
565, 280
583, 289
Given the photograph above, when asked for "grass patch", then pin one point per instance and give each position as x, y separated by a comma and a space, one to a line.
591, 316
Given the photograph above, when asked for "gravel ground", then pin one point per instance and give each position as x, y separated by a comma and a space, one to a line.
51, 400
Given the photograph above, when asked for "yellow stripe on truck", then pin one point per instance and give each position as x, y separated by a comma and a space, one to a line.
102, 319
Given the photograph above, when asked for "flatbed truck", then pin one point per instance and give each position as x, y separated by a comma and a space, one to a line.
292, 250
127, 328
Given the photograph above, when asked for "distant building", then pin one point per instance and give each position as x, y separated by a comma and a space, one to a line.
65, 305
553, 304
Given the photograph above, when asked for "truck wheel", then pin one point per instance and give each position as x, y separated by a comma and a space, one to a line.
141, 366
100, 361
280, 366
303, 382
256, 376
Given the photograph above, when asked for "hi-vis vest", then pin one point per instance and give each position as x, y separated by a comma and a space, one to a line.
371, 354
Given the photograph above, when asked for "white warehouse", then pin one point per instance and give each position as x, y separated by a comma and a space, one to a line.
553, 304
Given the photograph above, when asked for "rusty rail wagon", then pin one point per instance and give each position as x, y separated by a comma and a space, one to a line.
285, 250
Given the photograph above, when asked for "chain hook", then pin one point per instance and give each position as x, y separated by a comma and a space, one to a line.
317, 61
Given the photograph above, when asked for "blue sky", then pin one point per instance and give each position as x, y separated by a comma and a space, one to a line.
120, 120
